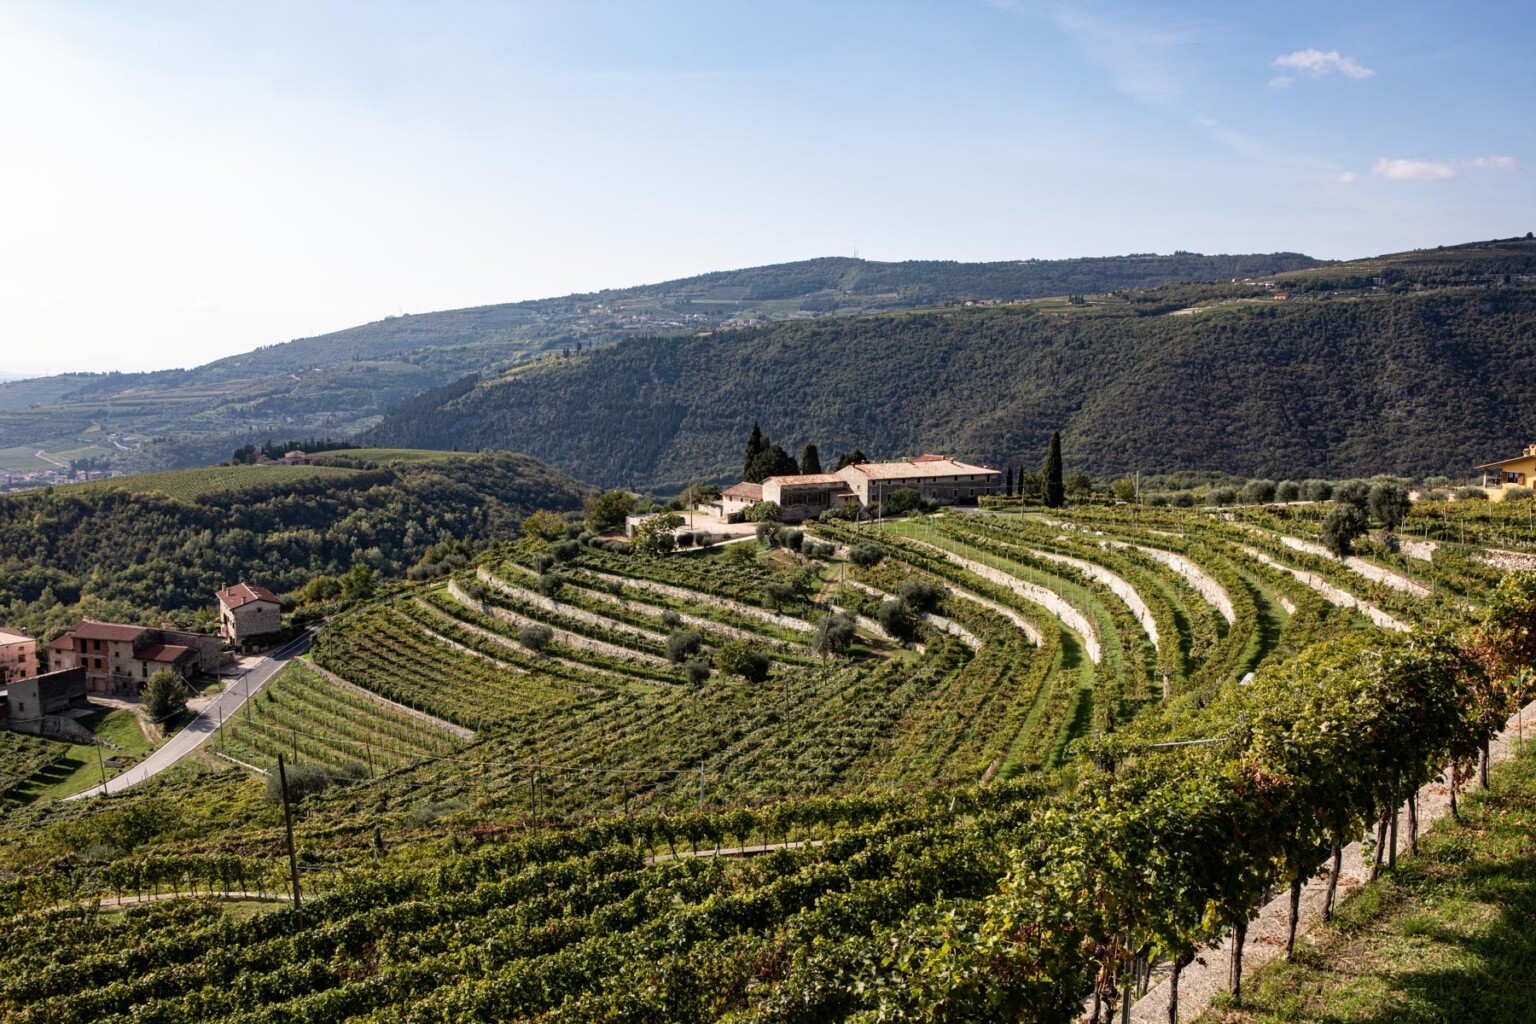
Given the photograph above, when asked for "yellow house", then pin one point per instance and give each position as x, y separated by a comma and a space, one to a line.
1498, 477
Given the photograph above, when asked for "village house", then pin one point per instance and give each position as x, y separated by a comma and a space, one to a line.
738, 497
1498, 477
29, 701
937, 478
248, 614
119, 659
18, 655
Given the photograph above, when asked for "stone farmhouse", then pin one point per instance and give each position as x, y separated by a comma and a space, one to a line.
18, 656
935, 477
118, 659
248, 614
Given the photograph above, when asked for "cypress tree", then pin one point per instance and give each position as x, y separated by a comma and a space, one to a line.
1055, 492
1009, 491
754, 447
810, 460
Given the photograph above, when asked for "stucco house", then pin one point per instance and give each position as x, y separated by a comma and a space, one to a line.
32, 700
18, 655
1498, 477
248, 614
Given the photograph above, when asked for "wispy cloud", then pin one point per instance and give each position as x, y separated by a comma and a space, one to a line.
1416, 169
1144, 60
1347, 178
1313, 63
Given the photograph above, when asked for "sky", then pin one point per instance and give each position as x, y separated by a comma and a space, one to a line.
181, 181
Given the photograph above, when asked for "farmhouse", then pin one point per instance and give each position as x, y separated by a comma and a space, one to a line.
935, 477
118, 659
18, 656
248, 613
1516, 472
737, 497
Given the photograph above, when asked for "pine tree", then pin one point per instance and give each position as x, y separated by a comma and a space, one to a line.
1009, 491
1055, 490
810, 460
755, 445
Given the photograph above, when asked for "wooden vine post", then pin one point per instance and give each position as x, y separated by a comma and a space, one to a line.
293, 859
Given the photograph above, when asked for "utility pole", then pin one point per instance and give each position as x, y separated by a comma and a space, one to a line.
293, 859
102, 764
701, 785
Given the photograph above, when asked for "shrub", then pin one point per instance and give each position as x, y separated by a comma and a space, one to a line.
1518, 494
792, 539
1258, 492
308, 779
1221, 496
1353, 492
897, 619
685, 539
768, 533
541, 562
535, 637
834, 634
550, 584
1344, 522
1288, 490
1316, 490
903, 500
671, 619
566, 550
704, 539
683, 644
741, 554
739, 658
776, 595
764, 512
1156, 500
866, 556
1182, 499
697, 672
921, 595
1471, 494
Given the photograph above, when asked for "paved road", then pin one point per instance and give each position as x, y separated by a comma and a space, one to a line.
204, 725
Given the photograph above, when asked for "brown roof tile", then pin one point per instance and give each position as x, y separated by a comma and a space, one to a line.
242, 594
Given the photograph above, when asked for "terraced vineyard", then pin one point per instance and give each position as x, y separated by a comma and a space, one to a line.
22, 756
311, 718
539, 756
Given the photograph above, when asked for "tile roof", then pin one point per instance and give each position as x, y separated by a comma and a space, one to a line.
87, 629
11, 636
744, 492
807, 479
160, 652
242, 594
920, 469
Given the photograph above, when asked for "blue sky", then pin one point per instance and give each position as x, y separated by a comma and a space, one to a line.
186, 180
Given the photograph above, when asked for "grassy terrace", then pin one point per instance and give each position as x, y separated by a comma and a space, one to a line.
1449, 938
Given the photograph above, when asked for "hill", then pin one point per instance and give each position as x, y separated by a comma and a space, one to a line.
1409, 363
510, 803
159, 545
339, 384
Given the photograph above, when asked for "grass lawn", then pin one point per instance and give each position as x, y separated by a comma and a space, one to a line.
1450, 938
80, 768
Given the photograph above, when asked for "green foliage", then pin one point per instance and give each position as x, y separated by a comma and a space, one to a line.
545, 525
851, 458
902, 501
535, 637
605, 512
165, 696
115, 554
1050, 473
865, 555
835, 633
740, 658
897, 619
359, 582
682, 644
764, 512
1389, 504
1344, 523
1258, 492
810, 460
1079, 486
655, 536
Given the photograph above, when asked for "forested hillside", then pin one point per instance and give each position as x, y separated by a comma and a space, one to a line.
1405, 364
157, 544
338, 384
